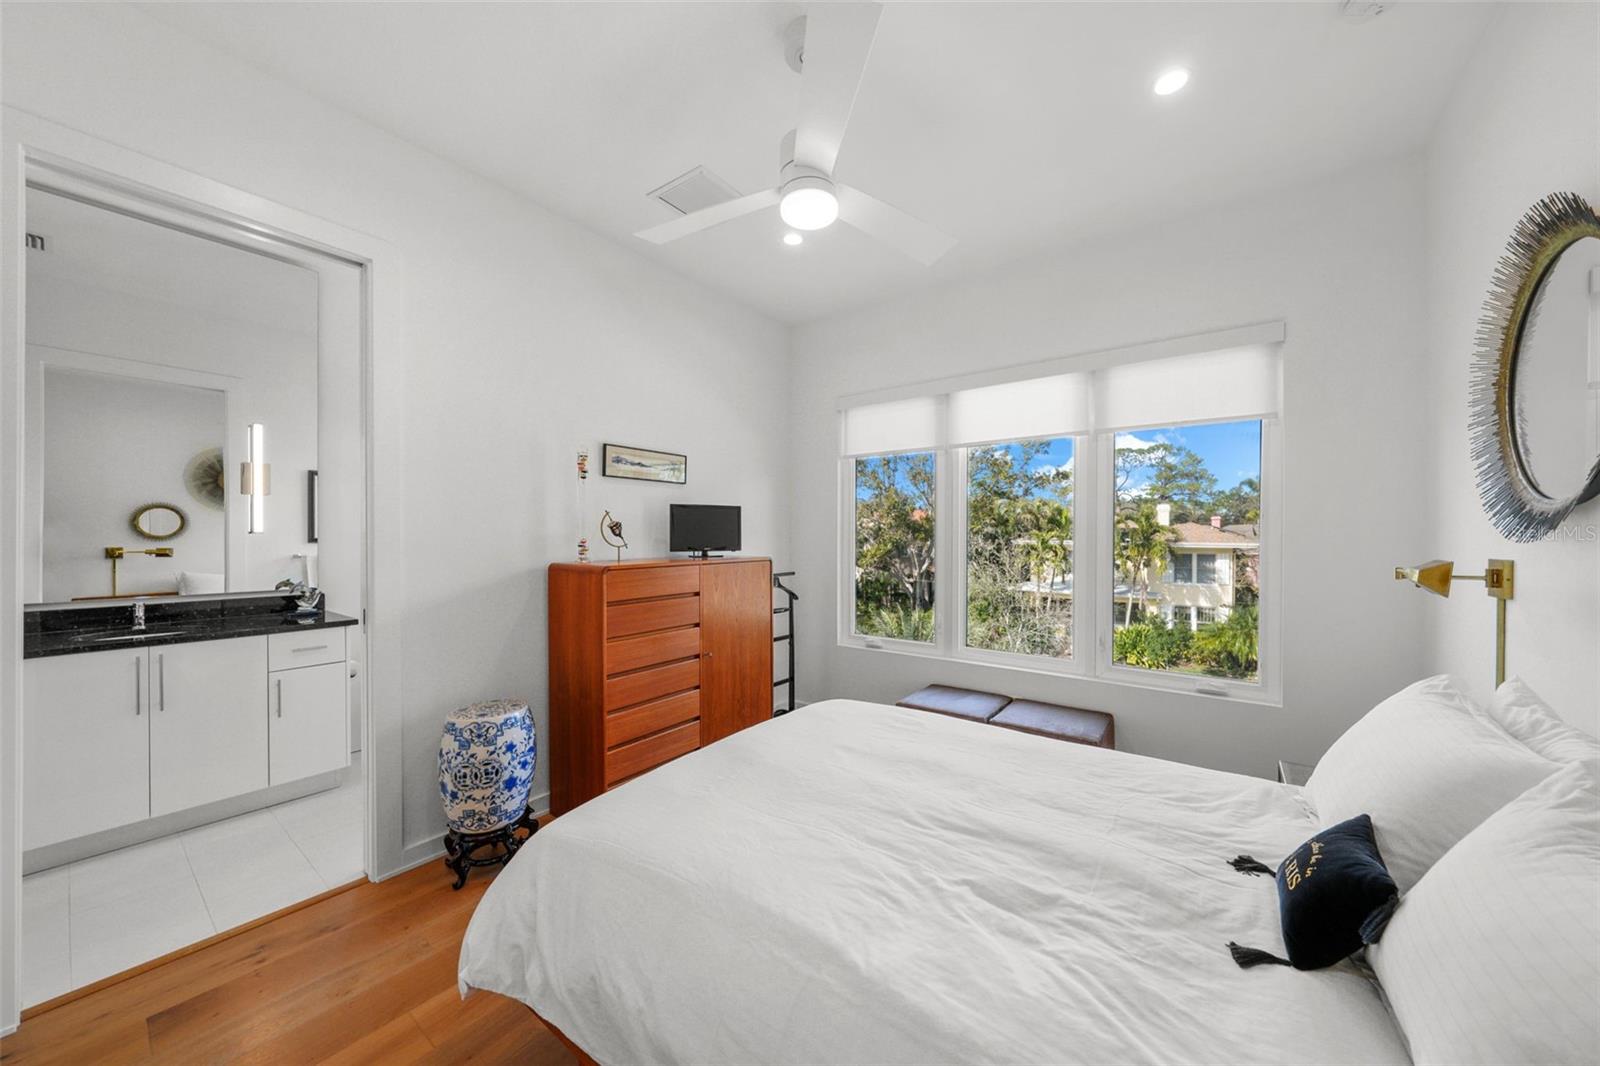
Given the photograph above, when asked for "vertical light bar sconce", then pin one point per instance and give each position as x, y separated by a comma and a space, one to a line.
255, 476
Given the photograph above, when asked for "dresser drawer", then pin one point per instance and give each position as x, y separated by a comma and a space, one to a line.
313, 647
626, 619
627, 689
634, 653
650, 581
635, 758
652, 717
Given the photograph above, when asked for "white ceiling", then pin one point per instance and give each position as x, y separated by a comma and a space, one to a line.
1013, 127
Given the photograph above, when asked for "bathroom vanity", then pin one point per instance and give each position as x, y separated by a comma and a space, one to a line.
211, 702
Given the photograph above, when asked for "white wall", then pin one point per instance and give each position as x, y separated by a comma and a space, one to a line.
1341, 263
110, 446
526, 336
1523, 123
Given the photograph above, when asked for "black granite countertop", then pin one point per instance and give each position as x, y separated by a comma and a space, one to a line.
72, 630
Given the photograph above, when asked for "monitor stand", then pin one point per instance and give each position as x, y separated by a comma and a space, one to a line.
703, 555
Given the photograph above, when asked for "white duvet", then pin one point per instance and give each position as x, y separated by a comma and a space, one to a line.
857, 883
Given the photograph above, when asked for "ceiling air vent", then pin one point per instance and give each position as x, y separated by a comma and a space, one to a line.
35, 241
697, 189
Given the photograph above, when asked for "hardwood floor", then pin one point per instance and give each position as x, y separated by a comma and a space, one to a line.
368, 975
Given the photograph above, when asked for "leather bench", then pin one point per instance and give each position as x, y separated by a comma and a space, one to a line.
957, 702
1054, 720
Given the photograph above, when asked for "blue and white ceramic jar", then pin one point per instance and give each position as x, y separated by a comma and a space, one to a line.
486, 760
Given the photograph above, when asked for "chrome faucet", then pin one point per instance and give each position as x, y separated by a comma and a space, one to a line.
138, 616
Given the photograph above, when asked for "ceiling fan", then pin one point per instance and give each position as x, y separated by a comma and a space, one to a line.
829, 48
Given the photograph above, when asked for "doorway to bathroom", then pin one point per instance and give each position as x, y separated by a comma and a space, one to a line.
193, 724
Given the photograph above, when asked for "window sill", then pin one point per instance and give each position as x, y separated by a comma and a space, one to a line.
1124, 677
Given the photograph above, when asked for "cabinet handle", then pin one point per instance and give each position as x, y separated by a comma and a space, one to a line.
138, 686
313, 647
280, 696
161, 668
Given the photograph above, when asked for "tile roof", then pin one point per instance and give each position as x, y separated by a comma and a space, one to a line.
1205, 533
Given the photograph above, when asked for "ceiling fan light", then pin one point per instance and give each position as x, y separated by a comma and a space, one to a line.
809, 203
1171, 81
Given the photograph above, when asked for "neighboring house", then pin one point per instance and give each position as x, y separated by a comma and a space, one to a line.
1206, 565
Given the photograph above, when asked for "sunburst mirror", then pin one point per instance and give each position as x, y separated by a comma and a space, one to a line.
1536, 372
203, 477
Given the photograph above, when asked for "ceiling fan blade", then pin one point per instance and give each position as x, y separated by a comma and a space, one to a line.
892, 226
706, 217
838, 39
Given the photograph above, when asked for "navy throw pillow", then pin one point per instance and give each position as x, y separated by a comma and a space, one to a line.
1334, 895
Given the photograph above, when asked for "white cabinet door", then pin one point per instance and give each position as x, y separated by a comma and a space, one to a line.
86, 744
310, 727
208, 722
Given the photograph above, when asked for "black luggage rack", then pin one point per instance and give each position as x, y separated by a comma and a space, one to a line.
788, 609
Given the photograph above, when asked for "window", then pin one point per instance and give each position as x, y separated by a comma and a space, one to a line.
894, 553
1168, 499
1151, 471
1019, 547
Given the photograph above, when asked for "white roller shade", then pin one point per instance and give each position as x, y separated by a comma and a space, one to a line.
897, 426
1238, 383
1019, 410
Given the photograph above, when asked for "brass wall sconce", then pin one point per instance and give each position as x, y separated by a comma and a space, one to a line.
116, 554
1499, 581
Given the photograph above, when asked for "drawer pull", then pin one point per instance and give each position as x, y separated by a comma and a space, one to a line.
310, 647
280, 697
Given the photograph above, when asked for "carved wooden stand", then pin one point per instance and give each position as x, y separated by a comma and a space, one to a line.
461, 849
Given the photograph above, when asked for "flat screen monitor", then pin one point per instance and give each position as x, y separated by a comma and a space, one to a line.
703, 528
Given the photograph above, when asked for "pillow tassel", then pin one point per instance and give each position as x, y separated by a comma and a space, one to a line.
1248, 957
1245, 864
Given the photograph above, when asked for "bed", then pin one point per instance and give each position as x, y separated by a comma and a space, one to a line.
863, 883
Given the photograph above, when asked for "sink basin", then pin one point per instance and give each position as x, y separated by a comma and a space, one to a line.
123, 635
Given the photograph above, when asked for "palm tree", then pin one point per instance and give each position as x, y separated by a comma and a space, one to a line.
1141, 549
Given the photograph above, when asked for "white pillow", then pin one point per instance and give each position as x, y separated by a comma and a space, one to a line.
1493, 957
1519, 711
1428, 766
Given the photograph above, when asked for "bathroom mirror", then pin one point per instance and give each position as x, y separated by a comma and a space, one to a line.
158, 521
1536, 384
151, 352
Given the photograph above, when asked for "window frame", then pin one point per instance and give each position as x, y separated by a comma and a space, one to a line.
959, 650
1093, 536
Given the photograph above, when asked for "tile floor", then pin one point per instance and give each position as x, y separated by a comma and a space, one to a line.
102, 915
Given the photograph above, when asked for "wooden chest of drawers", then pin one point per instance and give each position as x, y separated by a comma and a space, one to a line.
648, 661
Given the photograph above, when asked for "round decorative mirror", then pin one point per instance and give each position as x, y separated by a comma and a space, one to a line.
158, 521
1533, 388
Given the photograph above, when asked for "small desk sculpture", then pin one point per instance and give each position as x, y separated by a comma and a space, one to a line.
609, 528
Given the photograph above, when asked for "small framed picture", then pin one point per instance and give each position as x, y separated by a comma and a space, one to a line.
643, 464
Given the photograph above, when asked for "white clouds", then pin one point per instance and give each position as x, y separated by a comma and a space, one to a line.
1131, 440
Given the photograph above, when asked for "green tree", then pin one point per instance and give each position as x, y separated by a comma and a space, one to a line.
894, 532
1142, 549
1231, 647
1240, 504
1180, 477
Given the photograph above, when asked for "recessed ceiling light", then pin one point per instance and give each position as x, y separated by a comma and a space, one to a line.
792, 239
1171, 81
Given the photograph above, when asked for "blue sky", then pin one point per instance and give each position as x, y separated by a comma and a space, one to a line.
1230, 450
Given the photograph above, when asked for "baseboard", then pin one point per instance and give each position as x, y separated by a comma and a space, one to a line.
428, 849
